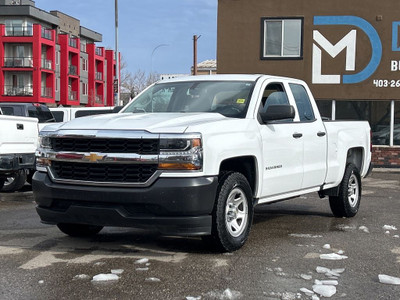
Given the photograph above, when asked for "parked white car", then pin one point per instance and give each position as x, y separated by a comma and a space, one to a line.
193, 156
65, 114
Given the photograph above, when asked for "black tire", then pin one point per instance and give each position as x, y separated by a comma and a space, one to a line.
2, 182
347, 203
233, 213
15, 182
79, 230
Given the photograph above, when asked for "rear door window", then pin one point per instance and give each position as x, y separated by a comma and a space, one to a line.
42, 113
303, 103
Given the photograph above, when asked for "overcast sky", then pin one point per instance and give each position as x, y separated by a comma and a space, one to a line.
144, 25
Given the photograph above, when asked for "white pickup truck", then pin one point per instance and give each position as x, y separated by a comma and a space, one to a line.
18, 143
193, 156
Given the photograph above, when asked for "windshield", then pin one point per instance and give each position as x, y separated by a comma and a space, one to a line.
229, 98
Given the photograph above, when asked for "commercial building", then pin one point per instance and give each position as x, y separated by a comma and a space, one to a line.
347, 51
48, 57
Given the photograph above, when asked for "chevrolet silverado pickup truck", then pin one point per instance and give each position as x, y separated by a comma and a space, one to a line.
18, 143
193, 156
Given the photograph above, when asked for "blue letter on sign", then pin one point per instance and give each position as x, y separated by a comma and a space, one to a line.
373, 38
395, 36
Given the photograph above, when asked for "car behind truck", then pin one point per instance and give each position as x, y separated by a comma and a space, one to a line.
193, 156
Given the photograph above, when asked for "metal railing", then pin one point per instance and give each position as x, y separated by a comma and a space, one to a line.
72, 95
47, 34
47, 92
99, 76
73, 43
73, 70
11, 90
47, 64
99, 51
19, 30
18, 62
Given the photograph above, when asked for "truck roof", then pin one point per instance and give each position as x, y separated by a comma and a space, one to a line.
224, 77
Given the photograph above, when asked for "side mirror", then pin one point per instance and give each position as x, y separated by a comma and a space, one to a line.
278, 112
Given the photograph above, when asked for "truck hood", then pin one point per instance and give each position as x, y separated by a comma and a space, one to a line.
151, 122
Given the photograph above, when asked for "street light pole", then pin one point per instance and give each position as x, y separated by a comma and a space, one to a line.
117, 77
152, 53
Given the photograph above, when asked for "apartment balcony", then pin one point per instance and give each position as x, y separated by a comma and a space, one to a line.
99, 51
47, 92
19, 30
73, 95
47, 64
73, 70
99, 76
10, 90
47, 34
18, 62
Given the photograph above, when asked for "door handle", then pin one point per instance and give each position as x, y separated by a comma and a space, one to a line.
20, 126
297, 135
321, 133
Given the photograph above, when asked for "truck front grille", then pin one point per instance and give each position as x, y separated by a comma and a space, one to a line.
104, 145
128, 173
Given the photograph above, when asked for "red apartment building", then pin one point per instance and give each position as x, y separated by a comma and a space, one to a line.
47, 57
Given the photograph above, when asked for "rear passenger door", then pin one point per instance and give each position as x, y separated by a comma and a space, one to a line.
313, 136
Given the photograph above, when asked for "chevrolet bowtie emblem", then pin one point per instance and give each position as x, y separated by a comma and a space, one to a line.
93, 157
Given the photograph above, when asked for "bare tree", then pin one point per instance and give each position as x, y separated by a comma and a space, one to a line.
138, 81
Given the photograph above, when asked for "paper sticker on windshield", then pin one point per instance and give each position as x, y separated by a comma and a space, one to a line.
241, 101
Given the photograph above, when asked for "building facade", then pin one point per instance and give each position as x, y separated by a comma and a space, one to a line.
48, 57
347, 52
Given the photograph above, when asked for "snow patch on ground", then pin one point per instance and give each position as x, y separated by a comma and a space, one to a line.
332, 256
364, 229
326, 246
41, 281
152, 279
330, 272
305, 235
142, 269
343, 227
228, 294
389, 227
81, 277
386, 279
306, 277
193, 298
117, 271
324, 290
105, 277
307, 292
142, 261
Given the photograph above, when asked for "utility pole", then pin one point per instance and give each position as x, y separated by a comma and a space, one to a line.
117, 75
195, 38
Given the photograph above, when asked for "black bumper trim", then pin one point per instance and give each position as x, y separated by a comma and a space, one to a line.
172, 206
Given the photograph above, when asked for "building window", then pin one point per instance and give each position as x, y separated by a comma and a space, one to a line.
282, 38
57, 58
57, 84
84, 64
84, 88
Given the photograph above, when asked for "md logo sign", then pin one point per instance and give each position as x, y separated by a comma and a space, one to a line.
349, 44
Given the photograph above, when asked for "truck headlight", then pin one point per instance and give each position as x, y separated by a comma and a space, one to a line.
42, 160
181, 153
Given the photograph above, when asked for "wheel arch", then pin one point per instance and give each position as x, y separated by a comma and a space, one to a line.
246, 165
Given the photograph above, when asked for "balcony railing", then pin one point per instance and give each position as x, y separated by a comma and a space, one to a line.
18, 62
47, 92
47, 34
47, 64
99, 76
99, 51
19, 30
73, 70
73, 43
72, 95
10, 90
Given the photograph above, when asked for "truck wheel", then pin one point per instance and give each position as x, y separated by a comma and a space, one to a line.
347, 203
2, 180
79, 230
15, 182
233, 213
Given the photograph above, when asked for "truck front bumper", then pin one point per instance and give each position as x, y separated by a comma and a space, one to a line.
10, 163
173, 206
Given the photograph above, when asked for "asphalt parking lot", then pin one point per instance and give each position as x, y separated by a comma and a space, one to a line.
281, 257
